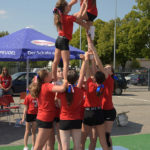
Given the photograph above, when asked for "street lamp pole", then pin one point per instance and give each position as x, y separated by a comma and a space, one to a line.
114, 63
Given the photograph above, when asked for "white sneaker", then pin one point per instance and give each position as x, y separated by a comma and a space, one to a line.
25, 148
92, 32
32, 148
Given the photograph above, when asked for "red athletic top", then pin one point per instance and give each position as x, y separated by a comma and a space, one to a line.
46, 105
74, 111
91, 99
67, 26
5, 81
107, 103
32, 104
92, 9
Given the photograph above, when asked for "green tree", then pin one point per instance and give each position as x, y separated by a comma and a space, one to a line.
3, 33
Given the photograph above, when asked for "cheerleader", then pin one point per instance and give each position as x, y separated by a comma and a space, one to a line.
29, 115
64, 25
45, 92
71, 109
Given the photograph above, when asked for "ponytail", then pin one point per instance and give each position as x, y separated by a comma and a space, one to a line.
58, 11
57, 19
35, 86
69, 94
72, 78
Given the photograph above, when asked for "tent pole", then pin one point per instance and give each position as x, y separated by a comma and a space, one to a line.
27, 83
80, 41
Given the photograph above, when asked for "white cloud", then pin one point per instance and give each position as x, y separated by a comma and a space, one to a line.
3, 12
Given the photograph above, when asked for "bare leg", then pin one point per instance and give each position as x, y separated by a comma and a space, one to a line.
65, 139
26, 135
51, 141
58, 137
65, 56
76, 135
108, 128
101, 134
34, 125
93, 139
42, 137
84, 133
55, 63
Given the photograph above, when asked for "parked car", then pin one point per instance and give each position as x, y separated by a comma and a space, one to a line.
19, 81
120, 83
139, 79
128, 77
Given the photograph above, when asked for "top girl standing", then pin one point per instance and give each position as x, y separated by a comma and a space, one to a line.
45, 92
64, 24
88, 11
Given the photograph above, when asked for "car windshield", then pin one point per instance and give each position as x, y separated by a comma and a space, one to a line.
14, 76
135, 76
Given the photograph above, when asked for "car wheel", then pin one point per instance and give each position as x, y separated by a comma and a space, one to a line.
118, 91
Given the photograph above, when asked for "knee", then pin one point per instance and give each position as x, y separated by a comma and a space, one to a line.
55, 62
27, 131
107, 134
33, 131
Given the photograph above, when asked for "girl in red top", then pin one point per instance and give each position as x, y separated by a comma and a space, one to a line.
64, 24
88, 11
42, 89
5, 82
30, 113
71, 109
107, 104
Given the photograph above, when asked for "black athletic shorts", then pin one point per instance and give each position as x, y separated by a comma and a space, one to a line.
70, 124
43, 124
93, 117
109, 115
56, 119
91, 17
30, 117
62, 43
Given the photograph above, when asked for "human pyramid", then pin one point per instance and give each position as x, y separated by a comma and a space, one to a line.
71, 104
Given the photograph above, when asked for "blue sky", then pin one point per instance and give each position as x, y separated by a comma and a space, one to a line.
17, 14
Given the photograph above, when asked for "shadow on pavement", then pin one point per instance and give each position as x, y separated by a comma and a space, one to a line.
9, 133
131, 128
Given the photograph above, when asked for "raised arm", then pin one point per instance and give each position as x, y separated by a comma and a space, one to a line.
60, 88
83, 8
72, 2
96, 57
82, 71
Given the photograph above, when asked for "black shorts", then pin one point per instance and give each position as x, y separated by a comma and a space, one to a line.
93, 117
30, 117
70, 124
62, 43
43, 124
56, 119
91, 17
109, 115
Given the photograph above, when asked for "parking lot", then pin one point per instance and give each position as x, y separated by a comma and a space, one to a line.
136, 100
